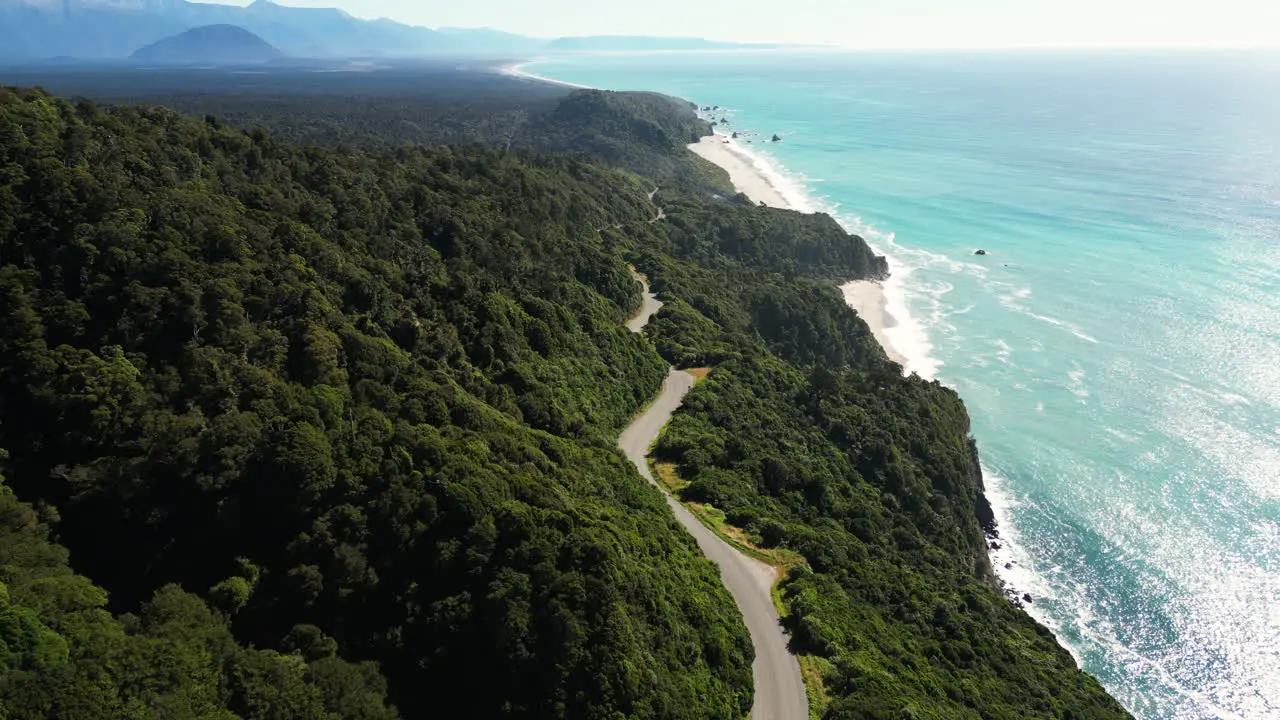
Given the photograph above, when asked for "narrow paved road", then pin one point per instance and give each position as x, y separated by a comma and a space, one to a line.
648, 308
779, 691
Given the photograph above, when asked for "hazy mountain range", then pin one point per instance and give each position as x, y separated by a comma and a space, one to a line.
115, 29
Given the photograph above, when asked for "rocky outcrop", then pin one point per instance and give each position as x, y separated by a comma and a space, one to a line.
986, 520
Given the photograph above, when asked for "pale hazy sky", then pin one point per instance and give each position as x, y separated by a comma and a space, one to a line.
859, 23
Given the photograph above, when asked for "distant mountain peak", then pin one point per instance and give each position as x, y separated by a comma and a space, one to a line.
210, 44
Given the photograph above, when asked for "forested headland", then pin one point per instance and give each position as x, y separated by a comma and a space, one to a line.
323, 426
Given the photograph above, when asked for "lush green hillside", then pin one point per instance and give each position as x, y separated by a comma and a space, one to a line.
375, 396
391, 385
645, 133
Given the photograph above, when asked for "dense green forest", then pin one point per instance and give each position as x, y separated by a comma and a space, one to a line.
389, 387
410, 102
413, 103
62, 655
363, 404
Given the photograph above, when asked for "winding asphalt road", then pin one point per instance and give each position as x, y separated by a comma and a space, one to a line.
648, 307
779, 691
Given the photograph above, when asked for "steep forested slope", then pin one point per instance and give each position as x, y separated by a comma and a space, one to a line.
389, 386
645, 133
375, 397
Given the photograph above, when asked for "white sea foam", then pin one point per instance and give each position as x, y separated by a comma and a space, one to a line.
1004, 351
1010, 301
1069, 327
1011, 561
908, 335
1077, 385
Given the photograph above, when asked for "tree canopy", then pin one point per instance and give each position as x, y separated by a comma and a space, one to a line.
322, 423
390, 384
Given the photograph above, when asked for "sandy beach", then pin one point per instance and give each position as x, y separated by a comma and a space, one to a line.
516, 69
744, 175
866, 297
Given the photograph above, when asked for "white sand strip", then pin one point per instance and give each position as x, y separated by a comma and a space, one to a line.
744, 175
868, 299
516, 69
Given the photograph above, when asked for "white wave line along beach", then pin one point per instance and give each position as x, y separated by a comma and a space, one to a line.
882, 305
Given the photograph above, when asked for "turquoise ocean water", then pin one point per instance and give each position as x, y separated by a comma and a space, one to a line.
1119, 347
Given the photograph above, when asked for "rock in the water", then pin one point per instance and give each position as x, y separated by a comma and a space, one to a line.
1026, 597
735, 136
980, 251
995, 546
1008, 566
776, 138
